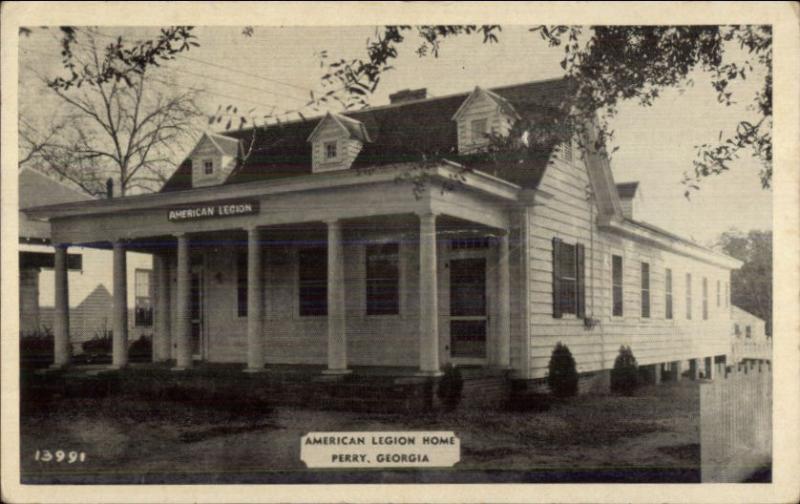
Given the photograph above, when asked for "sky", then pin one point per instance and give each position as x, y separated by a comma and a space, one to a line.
275, 69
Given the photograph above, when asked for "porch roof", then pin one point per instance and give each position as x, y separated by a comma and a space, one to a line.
446, 171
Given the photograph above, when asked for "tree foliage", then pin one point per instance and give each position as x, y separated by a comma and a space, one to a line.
609, 65
751, 285
117, 120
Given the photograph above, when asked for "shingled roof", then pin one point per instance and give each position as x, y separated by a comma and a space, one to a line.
399, 133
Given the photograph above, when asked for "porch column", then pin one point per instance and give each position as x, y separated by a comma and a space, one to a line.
61, 346
503, 305
428, 298
183, 330
255, 303
120, 341
337, 337
161, 342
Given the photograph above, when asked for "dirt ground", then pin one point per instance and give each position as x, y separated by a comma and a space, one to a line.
653, 436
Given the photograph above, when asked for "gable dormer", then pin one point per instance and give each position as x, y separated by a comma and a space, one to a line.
336, 142
213, 159
482, 114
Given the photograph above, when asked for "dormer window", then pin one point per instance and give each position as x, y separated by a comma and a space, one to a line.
213, 159
479, 129
336, 142
330, 151
483, 113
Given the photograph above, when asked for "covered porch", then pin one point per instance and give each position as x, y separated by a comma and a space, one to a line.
359, 275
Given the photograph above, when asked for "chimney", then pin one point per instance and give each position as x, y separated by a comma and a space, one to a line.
109, 188
629, 194
407, 95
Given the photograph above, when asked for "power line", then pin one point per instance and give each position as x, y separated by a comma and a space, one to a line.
223, 67
202, 62
233, 83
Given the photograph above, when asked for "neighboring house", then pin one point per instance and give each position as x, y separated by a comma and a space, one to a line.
749, 337
303, 248
90, 280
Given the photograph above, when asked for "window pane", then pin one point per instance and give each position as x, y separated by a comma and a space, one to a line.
616, 275
478, 127
468, 287
645, 290
383, 279
668, 289
689, 296
568, 295
568, 263
313, 281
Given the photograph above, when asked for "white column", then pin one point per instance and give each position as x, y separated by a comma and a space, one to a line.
61, 346
428, 297
184, 316
503, 305
337, 337
255, 303
120, 341
161, 336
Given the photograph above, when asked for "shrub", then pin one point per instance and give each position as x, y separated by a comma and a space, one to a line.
36, 348
141, 350
450, 387
625, 375
562, 376
99, 345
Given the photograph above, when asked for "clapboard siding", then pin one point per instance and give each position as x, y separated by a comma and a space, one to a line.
568, 216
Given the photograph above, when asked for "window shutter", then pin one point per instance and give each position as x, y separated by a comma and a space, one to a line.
556, 278
581, 281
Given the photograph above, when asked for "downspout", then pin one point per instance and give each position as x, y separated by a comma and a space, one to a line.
593, 322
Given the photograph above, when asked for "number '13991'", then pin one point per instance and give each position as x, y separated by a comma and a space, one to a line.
70, 457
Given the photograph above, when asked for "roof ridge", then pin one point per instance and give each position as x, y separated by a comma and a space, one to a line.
397, 105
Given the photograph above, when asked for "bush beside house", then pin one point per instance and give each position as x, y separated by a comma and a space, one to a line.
625, 374
563, 375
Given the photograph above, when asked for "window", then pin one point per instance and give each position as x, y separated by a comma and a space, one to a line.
718, 293
616, 285
241, 283
688, 296
469, 243
645, 290
313, 281
668, 295
727, 295
478, 130
208, 166
737, 330
330, 150
383, 279
143, 311
568, 279
748, 333
705, 298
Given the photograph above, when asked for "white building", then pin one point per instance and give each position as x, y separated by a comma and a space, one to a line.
90, 278
309, 251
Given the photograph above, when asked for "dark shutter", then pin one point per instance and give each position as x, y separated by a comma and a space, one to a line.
556, 277
581, 281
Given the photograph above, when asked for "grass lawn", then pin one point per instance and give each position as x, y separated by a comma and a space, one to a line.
653, 436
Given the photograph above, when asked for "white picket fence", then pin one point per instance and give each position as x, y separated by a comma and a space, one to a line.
736, 423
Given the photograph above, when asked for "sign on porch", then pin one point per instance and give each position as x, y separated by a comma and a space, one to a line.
210, 210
